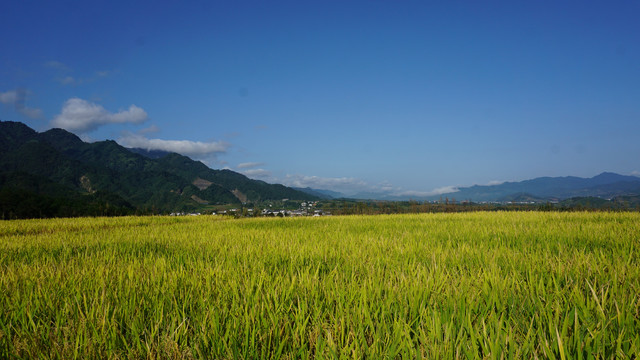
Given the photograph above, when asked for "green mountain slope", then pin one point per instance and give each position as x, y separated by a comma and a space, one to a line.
56, 165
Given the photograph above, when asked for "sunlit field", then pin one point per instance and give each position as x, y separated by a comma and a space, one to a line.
474, 285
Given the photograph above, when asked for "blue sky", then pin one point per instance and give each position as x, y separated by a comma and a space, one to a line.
408, 97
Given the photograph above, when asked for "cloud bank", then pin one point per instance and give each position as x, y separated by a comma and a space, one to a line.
149, 130
83, 116
351, 186
249, 165
348, 186
257, 173
195, 149
495, 182
253, 170
17, 99
342, 184
421, 194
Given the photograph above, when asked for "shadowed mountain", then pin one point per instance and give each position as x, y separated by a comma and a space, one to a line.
58, 165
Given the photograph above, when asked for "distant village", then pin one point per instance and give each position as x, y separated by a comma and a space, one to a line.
310, 208
328, 207
306, 209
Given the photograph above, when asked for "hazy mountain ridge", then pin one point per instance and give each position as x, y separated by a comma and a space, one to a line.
321, 193
606, 185
57, 165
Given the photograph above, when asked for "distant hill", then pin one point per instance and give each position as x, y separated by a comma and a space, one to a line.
56, 167
606, 185
321, 193
631, 201
587, 202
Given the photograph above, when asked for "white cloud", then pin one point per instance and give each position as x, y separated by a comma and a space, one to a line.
495, 182
444, 190
31, 112
421, 194
9, 97
635, 173
346, 185
413, 193
257, 173
83, 116
384, 186
17, 99
343, 184
196, 149
69, 80
351, 186
57, 65
149, 130
248, 165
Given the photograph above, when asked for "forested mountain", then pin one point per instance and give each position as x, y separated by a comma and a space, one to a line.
54, 173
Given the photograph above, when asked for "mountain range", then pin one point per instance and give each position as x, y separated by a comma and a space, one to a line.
55, 173
607, 185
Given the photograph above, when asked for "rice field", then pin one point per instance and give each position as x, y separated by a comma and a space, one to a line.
437, 286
